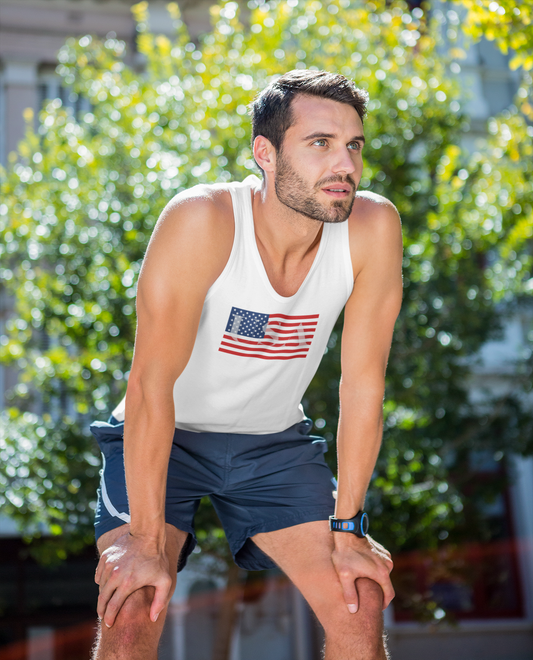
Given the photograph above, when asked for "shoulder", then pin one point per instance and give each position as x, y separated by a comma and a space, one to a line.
201, 215
375, 209
201, 204
193, 235
375, 230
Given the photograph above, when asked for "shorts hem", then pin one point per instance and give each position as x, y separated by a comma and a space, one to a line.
273, 525
104, 527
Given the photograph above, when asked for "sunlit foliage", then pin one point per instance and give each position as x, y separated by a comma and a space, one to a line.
509, 23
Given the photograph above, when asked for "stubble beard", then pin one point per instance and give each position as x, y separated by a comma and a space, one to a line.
293, 192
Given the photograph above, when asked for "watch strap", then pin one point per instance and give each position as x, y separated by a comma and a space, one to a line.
357, 525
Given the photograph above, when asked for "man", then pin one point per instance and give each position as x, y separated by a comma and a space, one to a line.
239, 291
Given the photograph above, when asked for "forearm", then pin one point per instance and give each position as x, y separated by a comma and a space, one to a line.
148, 434
358, 443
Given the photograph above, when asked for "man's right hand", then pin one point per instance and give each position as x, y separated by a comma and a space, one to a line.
129, 564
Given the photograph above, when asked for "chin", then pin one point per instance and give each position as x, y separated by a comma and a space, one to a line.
340, 213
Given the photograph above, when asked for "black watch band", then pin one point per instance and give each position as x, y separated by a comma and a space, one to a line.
357, 525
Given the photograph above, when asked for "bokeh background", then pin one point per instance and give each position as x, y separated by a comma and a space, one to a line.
107, 110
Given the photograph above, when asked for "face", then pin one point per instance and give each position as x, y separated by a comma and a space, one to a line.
319, 166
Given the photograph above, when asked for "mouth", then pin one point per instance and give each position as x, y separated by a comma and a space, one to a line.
338, 190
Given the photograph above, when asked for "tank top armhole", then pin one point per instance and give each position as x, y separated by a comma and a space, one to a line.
347, 260
237, 234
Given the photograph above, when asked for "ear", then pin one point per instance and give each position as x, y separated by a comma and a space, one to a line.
264, 154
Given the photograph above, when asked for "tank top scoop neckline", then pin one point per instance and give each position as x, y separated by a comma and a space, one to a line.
252, 183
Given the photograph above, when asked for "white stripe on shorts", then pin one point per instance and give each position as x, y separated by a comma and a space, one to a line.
107, 502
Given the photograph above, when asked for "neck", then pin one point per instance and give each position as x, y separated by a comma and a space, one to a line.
284, 233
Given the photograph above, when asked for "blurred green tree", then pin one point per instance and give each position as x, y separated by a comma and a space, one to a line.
79, 200
509, 23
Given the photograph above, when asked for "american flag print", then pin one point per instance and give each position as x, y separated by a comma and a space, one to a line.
268, 336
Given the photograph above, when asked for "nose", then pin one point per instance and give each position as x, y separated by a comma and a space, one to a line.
343, 162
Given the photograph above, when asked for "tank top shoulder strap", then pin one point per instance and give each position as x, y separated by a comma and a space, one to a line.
241, 196
241, 201
338, 252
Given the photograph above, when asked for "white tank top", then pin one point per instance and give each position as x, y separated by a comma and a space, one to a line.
256, 351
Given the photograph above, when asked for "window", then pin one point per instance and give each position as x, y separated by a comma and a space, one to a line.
472, 576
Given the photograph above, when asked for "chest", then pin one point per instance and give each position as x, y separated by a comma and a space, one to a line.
287, 276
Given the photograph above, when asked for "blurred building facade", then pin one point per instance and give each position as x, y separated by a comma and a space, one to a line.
275, 621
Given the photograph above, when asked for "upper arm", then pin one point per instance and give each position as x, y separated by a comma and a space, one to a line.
374, 305
188, 250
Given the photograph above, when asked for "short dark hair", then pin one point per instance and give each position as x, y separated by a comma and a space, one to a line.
271, 110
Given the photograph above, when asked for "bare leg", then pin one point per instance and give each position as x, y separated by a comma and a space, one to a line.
133, 636
303, 552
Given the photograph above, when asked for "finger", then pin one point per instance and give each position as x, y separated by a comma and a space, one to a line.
349, 591
161, 597
99, 570
106, 592
386, 559
379, 548
388, 592
104, 569
108, 577
114, 605
112, 579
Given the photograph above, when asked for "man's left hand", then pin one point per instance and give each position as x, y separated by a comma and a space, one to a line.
355, 557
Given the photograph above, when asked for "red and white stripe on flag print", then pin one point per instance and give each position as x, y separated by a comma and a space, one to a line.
268, 336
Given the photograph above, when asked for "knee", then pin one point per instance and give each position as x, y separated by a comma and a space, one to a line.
133, 620
133, 635
358, 635
137, 605
369, 612
370, 595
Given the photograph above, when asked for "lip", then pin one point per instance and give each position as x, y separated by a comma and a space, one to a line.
339, 191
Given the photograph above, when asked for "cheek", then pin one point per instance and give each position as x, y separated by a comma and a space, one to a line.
359, 164
312, 164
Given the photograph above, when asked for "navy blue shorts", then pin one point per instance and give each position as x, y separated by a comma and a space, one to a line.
257, 483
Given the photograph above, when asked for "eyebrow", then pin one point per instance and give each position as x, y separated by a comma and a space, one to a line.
318, 135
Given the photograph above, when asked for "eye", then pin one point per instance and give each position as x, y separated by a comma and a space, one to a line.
356, 146
320, 143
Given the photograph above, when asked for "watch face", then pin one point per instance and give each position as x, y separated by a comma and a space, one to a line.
364, 523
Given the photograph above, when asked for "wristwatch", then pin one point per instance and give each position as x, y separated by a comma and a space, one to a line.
357, 525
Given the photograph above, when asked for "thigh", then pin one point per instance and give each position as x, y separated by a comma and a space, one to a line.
303, 553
